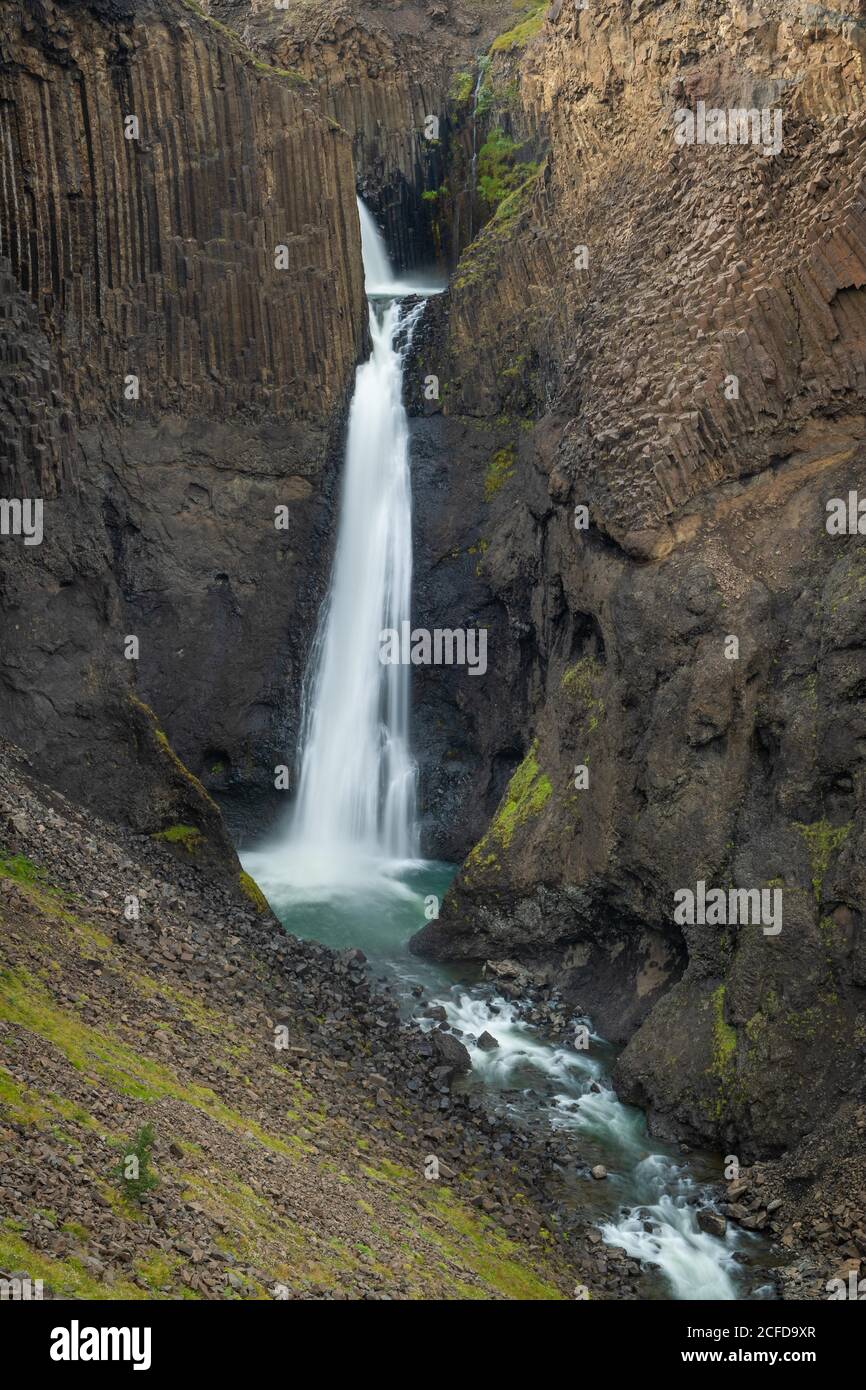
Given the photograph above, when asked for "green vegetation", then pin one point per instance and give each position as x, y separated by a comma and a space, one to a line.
499, 470
251, 890
19, 867
486, 1253
67, 1278
822, 840
578, 682
239, 47
406, 1228
526, 29
481, 257
724, 1036
499, 170
101, 1056
134, 1173
525, 797
723, 1065
187, 836
527, 793
461, 89
165, 749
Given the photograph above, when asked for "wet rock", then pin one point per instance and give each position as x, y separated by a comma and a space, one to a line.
712, 1222
487, 1042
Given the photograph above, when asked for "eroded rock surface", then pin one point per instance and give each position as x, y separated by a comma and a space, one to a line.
165, 386
608, 388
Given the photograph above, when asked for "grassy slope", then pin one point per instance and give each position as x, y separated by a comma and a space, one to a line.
282, 1185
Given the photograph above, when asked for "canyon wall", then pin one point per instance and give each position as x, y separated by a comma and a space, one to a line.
654, 358
386, 74
183, 312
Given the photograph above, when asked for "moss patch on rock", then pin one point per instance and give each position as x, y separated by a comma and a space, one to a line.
187, 836
519, 36
579, 684
161, 740
499, 470
525, 797
822, 840
481, 258
251, 890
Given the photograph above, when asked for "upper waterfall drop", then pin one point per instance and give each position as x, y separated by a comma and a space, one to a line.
380, 281
379, 277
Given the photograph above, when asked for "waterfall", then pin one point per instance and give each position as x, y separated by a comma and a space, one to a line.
378, 276
355, 804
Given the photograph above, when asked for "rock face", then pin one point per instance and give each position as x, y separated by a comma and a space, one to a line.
655, 385
169, 378
386, 75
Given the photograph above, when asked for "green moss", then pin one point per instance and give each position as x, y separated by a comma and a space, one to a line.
160, 738
251, 890
579, 683
25, 1106
19, 867
239, 47
23, 1001
289, 74
481, 257
187, 836
499, 470
488, 1254
822, 840
66, 1278
724, 1036
723, 1065
525, 796
21, 1106
462, 88
159, 1270
500, 172
520, 35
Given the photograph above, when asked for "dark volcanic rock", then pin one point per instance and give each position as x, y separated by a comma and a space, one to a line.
450, 1054
712, 1222
163, 391
629, 519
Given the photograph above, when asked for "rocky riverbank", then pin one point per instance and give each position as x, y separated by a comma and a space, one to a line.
293, 1113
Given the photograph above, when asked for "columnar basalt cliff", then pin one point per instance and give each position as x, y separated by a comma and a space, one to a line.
185, 310
668, 343
387, 74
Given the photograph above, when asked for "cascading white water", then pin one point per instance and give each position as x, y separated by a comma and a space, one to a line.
659, 1225
379, 278
357, 784
355, 807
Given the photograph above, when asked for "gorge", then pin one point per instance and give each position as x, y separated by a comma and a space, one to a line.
340, 262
